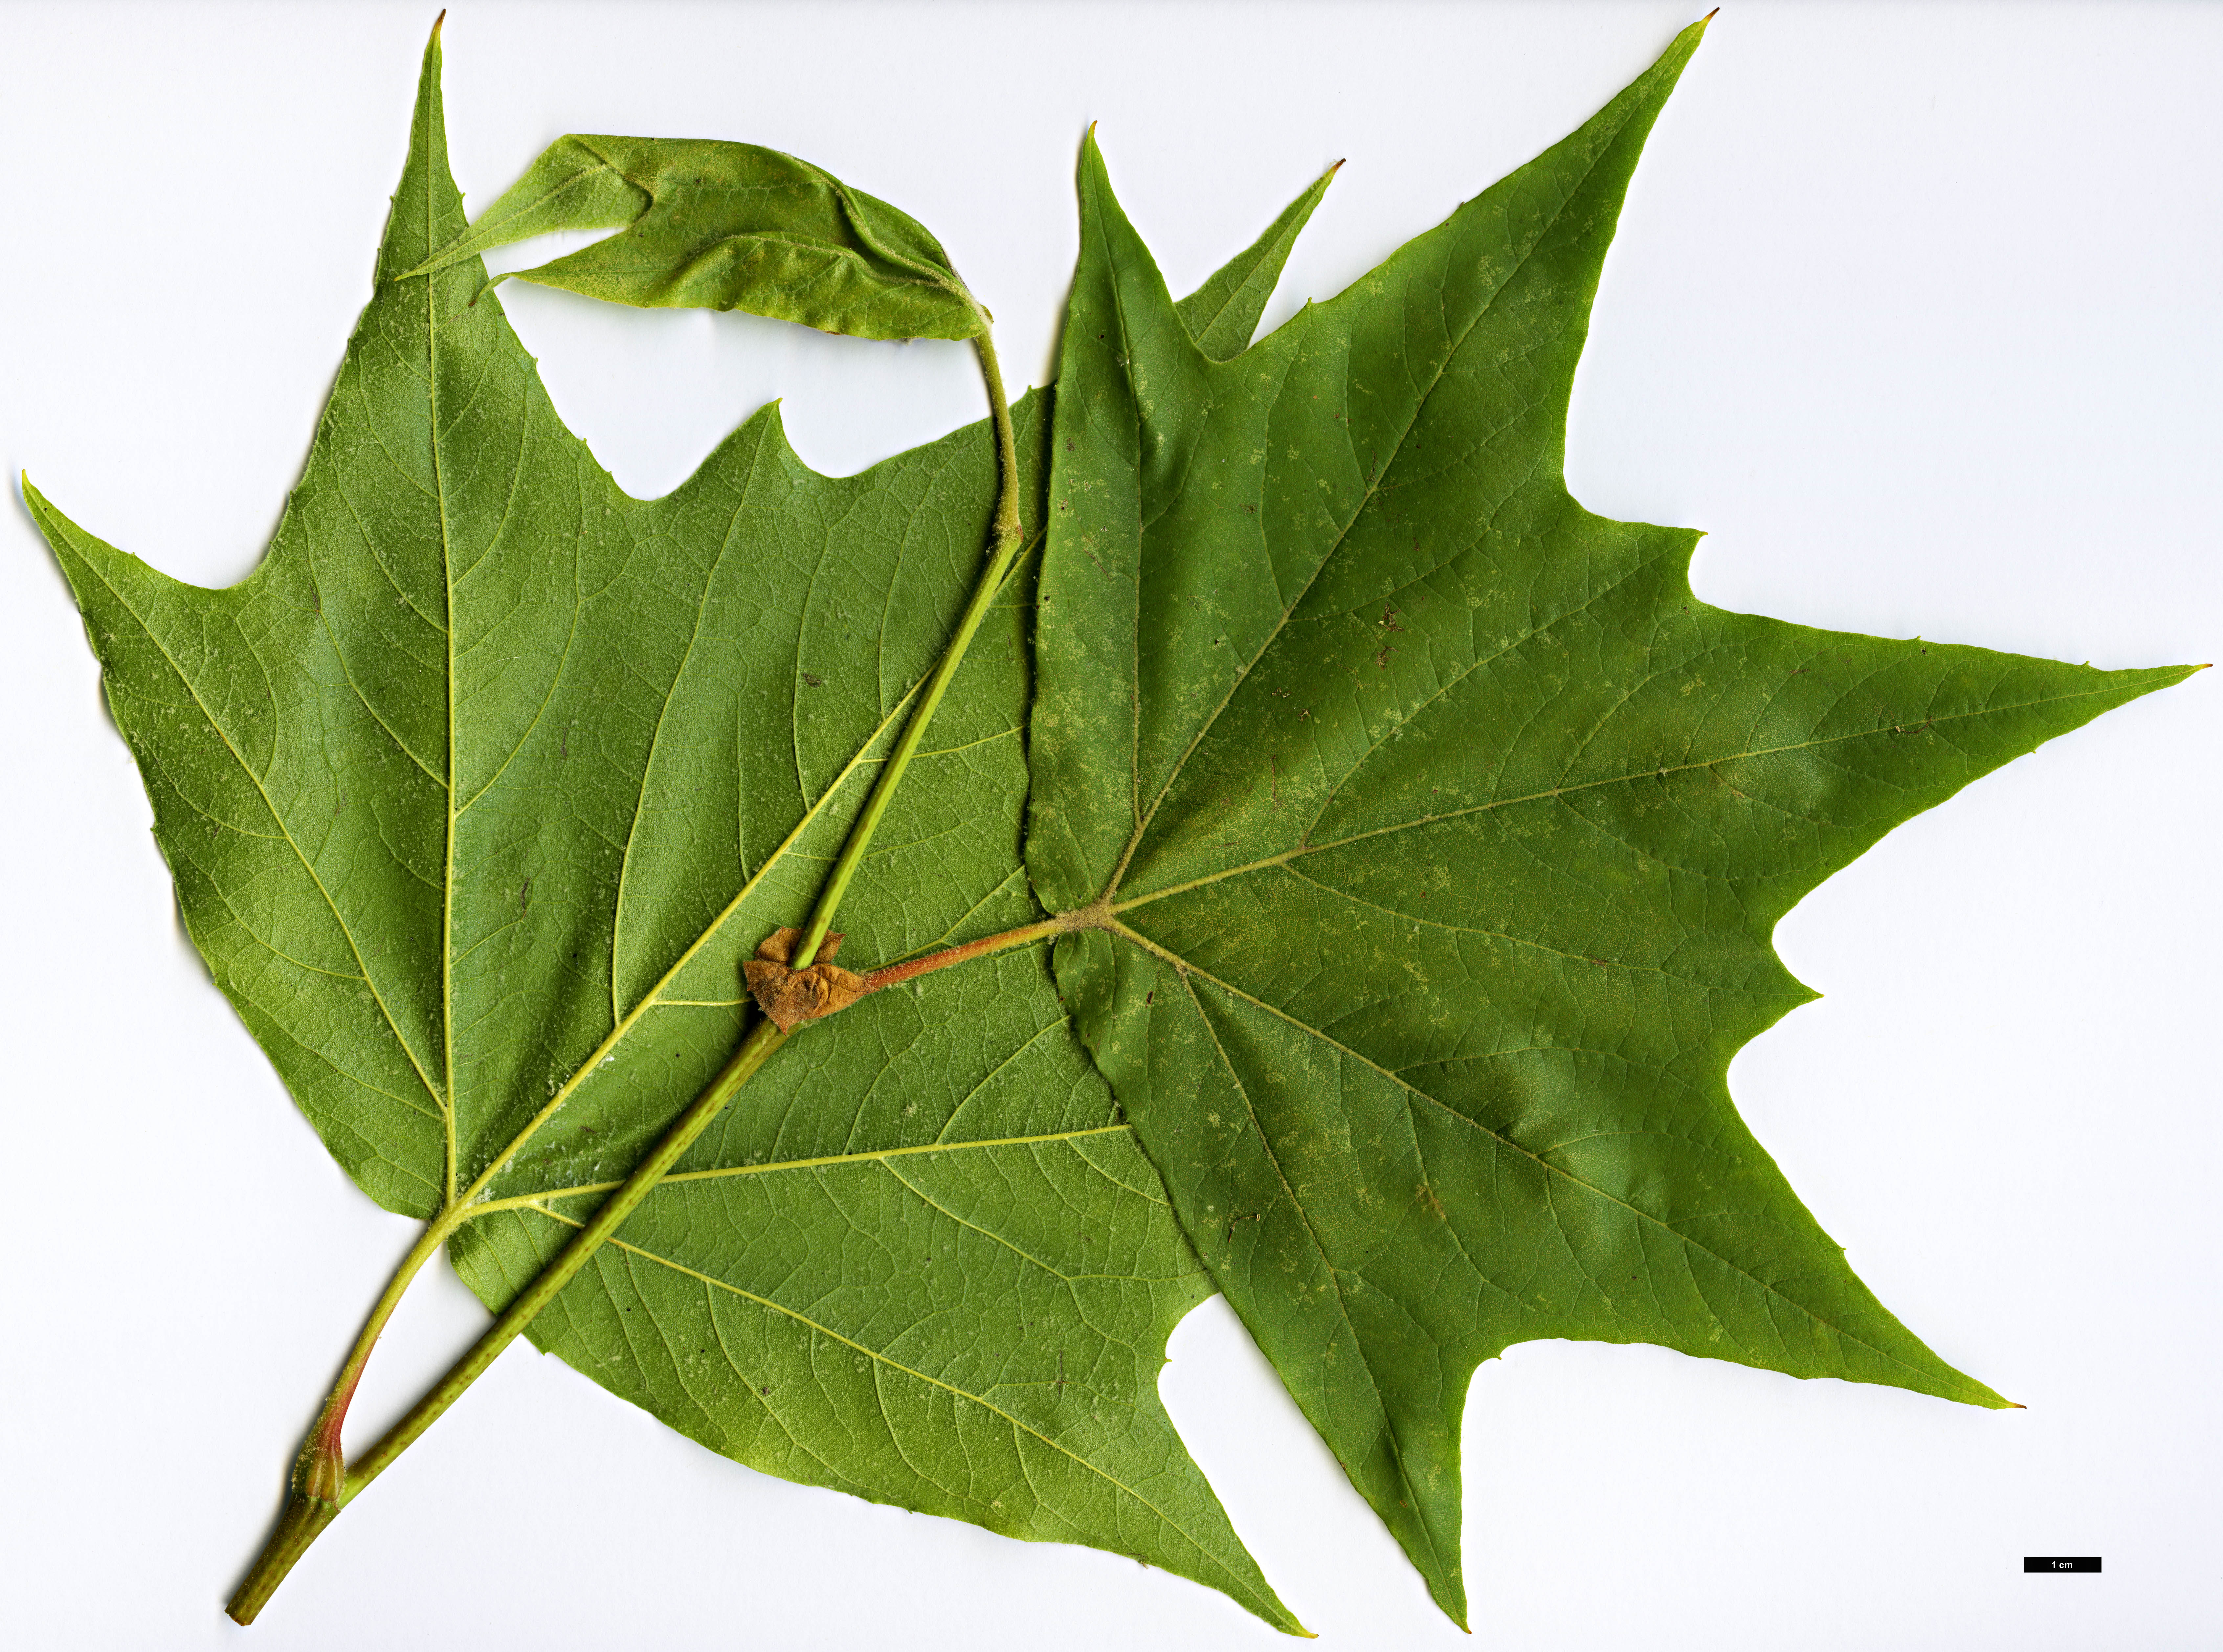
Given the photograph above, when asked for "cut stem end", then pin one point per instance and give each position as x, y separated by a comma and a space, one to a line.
304, 1519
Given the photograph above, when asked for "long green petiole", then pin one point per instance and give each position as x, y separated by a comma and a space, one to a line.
1008, 538
322, 1482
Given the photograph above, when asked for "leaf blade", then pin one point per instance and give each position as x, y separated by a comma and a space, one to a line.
709, 225
1435, 894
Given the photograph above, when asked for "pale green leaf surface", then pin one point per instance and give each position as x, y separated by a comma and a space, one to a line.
709, 225
477, 790
1443, 831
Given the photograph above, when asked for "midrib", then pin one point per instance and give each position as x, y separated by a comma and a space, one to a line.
448, 596
1287, 855
728, 1173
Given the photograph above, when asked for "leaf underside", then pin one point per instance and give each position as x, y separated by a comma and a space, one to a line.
478, 791
1445, 831
707, 224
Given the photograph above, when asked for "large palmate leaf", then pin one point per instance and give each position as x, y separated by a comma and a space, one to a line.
478, 791
1429, 834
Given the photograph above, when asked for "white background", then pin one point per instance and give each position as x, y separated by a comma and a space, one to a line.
1914, 308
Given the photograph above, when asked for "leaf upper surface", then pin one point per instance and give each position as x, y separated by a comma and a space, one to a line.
1438, 830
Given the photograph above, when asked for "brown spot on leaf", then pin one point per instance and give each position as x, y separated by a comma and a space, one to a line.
790, 996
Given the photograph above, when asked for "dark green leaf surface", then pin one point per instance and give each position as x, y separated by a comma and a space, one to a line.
1440, 831
476, 792
707, 225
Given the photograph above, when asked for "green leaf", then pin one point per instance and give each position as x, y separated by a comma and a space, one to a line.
1430, 833
714, 225
477, 791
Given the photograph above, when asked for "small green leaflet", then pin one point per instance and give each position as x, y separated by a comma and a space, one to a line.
476, 792
726, 226
1435, 831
